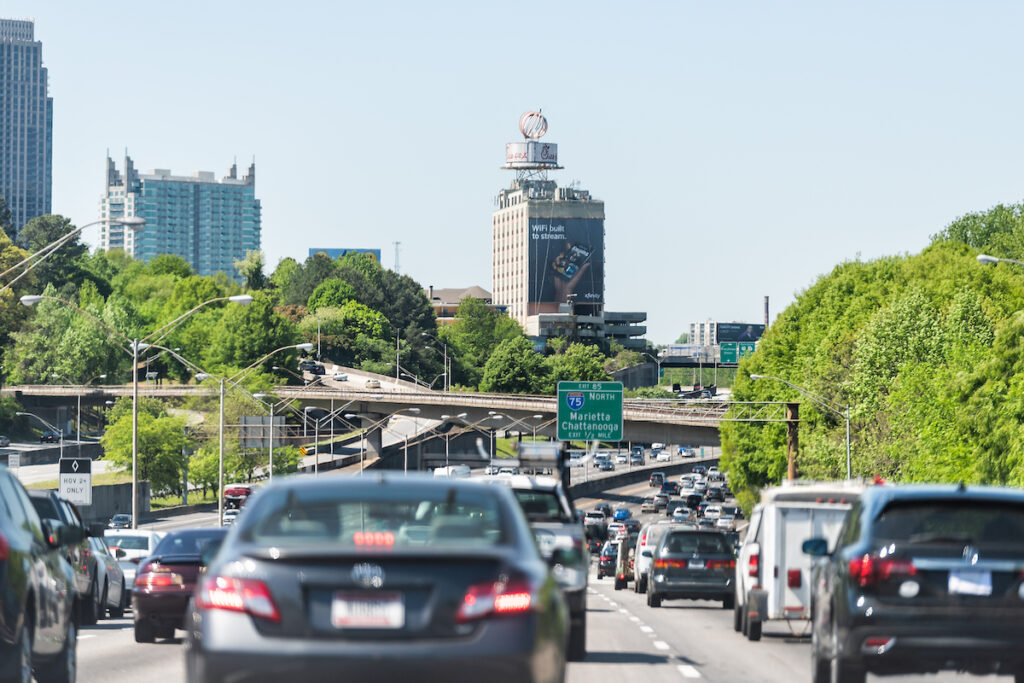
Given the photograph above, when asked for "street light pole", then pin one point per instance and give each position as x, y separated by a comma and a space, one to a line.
135, 433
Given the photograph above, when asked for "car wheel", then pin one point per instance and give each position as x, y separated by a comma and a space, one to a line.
101, 610
118, 612
653, 600
23, 647
144, 632
64, 668
577, 639
737, 617
619, 583
728, 601
166, 632
844, 671
820, 668
753, 627
88, 607
599, 575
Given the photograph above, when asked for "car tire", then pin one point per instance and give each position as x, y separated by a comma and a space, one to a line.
63, 669
118, 612
87, 607
577, 639
642, 585
653, 600
753, 627
23, 647
165, 632
144, 632
845, 671
820, 668
728, 601
101, 610
737, 617
619, 583
599, 575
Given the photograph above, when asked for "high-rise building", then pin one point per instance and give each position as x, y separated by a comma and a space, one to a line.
547, 242
208, 222
26, 123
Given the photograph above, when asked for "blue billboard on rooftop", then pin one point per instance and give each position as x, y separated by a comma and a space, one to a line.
338, 253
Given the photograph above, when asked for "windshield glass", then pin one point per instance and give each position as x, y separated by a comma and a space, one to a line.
187, 543
128, 542
541, 506
697, 543
437, 517
959, 522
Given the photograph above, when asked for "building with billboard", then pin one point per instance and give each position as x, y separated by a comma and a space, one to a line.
547, 251
713, 332
338, 253
26, 124
208, 222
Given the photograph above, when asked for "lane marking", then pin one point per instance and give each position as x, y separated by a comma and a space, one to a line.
89, 635
624, 610
688, 671
635, 620
661, 644
647, 629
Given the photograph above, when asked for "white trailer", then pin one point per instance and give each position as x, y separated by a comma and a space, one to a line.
773, 575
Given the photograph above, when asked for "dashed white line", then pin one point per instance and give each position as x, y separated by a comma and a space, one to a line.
635, 620
90, 635
624, 610
661, 644
688, 671
647, 629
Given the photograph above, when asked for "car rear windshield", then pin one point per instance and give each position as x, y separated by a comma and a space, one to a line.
435, 517
187, 543
128, 542
692, 543
958, 521
542, 506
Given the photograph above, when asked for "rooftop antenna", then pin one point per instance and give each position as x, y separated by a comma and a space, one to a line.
398, 270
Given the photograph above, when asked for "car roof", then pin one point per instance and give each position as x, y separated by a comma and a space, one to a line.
525, 481
132, 532
879, 496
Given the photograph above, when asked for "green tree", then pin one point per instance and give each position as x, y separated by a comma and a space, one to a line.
63, 266
251, 269
282, 276
161, 440
307, 277
333, 292
474, 336
515, 368
345, 332
579, 363
6, 224
246, 333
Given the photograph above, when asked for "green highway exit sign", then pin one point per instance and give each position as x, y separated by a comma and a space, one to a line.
589, 411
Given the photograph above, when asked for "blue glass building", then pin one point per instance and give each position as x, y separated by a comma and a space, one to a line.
26, 124
208, 222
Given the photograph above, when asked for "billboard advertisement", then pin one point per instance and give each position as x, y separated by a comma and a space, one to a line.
530, 154
738, 332
338, 253
566, 257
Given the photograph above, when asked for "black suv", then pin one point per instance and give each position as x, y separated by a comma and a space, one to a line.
38, 632
922, 578
89, 586
311, 366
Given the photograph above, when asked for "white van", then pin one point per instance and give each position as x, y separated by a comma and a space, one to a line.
460, 471
773, 575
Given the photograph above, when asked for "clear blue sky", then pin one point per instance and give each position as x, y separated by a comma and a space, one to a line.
742, 149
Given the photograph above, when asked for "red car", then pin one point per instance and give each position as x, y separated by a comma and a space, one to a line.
166, 579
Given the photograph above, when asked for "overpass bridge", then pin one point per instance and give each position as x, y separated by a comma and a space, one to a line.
694, 423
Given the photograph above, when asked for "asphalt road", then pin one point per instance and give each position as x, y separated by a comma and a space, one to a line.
626, 640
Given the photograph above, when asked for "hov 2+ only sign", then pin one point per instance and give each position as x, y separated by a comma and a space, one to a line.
590, 411
76, 480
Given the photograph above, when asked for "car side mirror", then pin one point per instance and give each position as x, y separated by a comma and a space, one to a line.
646, 553
55, 533
118, 553
815, 547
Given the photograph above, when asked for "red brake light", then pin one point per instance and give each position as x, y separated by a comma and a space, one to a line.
373, 538
869, 569
793, 578
5, 548
237, 595
670, 564
153, 575
752, 564
494, 597
721, 564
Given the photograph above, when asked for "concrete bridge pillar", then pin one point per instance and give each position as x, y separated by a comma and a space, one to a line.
373, 436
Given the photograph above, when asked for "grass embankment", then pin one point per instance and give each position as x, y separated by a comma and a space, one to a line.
155, 503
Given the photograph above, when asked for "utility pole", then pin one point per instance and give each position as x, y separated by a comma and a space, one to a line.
792, 438
398, 269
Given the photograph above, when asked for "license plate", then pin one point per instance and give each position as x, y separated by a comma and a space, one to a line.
361, 610
970, 582
697, 564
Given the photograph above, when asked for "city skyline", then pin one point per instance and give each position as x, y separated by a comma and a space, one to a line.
741, 151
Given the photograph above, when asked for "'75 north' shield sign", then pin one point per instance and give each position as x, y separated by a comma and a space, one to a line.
574, 400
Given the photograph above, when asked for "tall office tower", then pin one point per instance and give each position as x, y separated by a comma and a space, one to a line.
547, 254
208, 222
26, 124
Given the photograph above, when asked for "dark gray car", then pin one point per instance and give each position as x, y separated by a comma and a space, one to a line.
378, 578
693, 564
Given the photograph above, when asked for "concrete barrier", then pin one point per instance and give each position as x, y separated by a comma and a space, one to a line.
48, 455
598, 485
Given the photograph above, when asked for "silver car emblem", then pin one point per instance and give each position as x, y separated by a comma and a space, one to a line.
368, 575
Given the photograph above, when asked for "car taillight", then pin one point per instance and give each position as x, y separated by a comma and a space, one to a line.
670, 564
250, 596
752, 564
5, 549
153, 575
721, 564
607, 558
793, 578
495, 597
870, 569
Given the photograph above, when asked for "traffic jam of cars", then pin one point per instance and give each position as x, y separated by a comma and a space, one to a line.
466, 577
